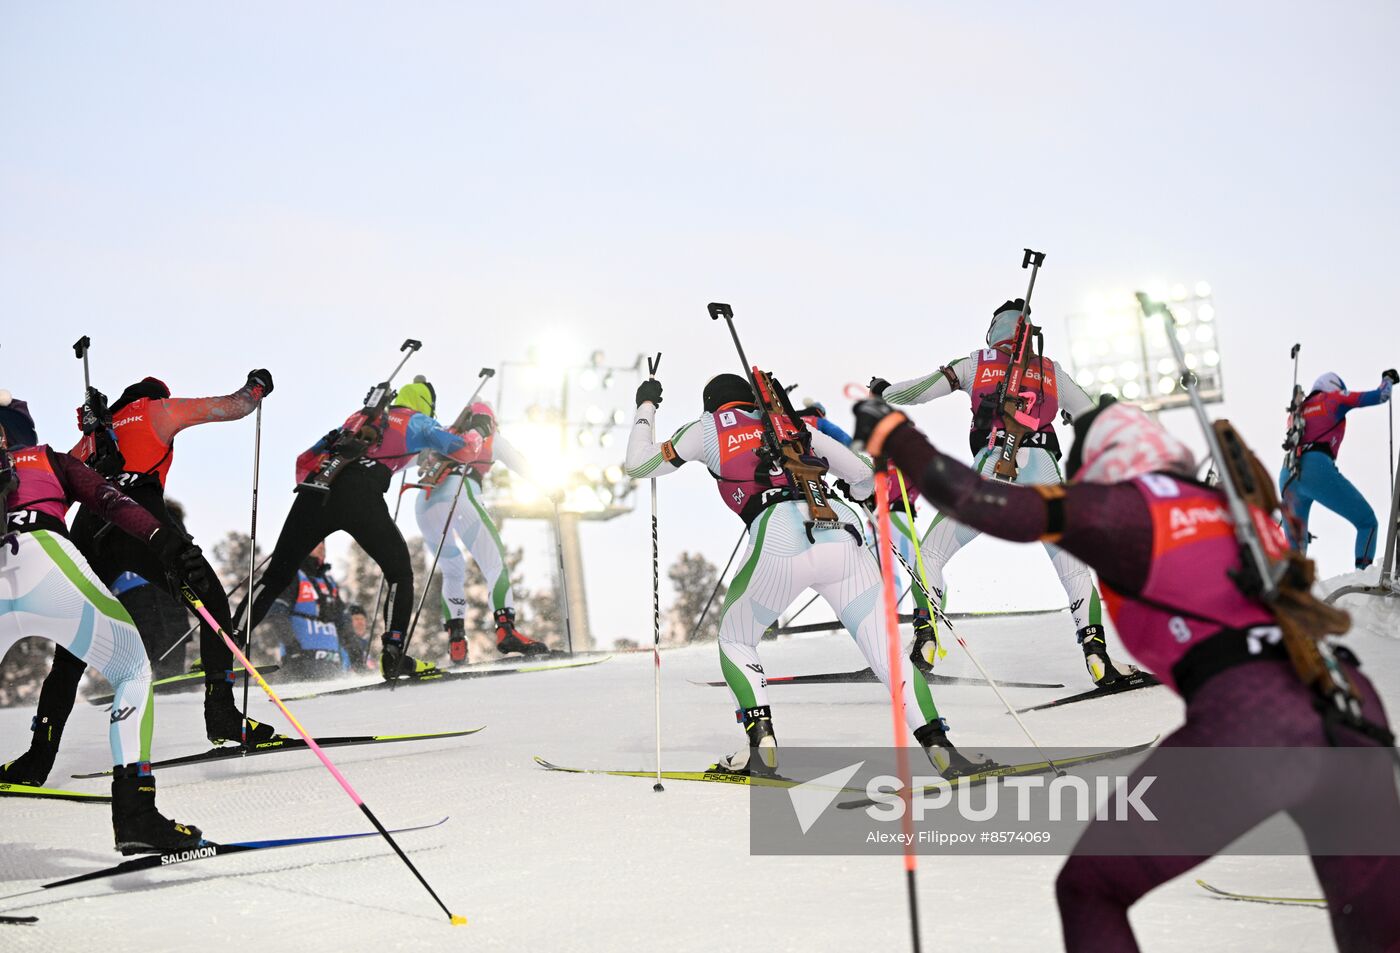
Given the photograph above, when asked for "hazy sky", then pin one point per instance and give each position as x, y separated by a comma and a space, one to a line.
209, 188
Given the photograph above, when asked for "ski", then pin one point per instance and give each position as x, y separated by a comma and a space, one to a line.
1024, 768
836, 626
1285, 901
19, 919
452, 675
722, 777
866, 675
206, 851
177, 683
229, 752
1131, 683
769, 781
55, 794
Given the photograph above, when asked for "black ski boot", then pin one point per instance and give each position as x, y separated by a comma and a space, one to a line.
223, 722
760, 757
944, 755
508, 639
1103, 670
33, 767
457, 641
138, 826
393, 663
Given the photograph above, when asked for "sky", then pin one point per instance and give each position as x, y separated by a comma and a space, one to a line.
209, 188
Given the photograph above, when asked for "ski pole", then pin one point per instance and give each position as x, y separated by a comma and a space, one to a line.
409, 345
695, 629
486, 373
1390, 460
652, 367
563, 578
937, 610
427, 583
80, 351
198, 606
252, 554
918, 556
901, 733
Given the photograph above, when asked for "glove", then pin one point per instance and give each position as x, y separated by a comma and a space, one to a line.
93, 414
924, 650
1391, 375
1386, 385
878, 385
482, 424
649, 392
869, 413
180, 557
845, 488
261, 377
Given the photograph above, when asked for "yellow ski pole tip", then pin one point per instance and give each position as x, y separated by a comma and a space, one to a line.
458, 921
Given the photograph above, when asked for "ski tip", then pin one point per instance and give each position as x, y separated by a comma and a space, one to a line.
458, 921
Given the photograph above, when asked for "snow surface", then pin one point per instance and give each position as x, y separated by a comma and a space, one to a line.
548, 861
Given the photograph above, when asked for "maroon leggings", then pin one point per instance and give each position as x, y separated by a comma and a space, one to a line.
1253, 705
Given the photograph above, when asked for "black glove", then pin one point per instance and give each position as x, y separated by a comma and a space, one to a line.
650, 390
869, 413
261, 377
1391, 375
482, 424
179, 556
925, 648
94, 415
878, 385
845, 489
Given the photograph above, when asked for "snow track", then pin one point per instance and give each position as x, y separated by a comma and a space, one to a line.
543, 861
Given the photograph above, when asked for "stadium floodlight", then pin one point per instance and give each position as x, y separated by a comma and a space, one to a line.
1115, 349
560, 408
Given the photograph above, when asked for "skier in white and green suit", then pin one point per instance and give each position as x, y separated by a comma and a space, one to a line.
471, 525
781, 559
47, 590
978, 375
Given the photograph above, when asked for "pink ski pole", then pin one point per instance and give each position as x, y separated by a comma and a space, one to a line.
198, 606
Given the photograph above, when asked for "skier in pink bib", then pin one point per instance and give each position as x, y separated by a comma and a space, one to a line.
1165, 549
785, 556
1054, 391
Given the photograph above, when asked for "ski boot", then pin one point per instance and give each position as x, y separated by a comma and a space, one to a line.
510, 640
33, 767
223, 722
138, 827
394, 663
457, 641
759, 758
944, 755
1103, 670
926, 649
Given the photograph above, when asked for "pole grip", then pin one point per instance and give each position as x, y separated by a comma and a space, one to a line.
1294, 352
80, 347
1036, 258
719, 310
654, 365
410, 345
